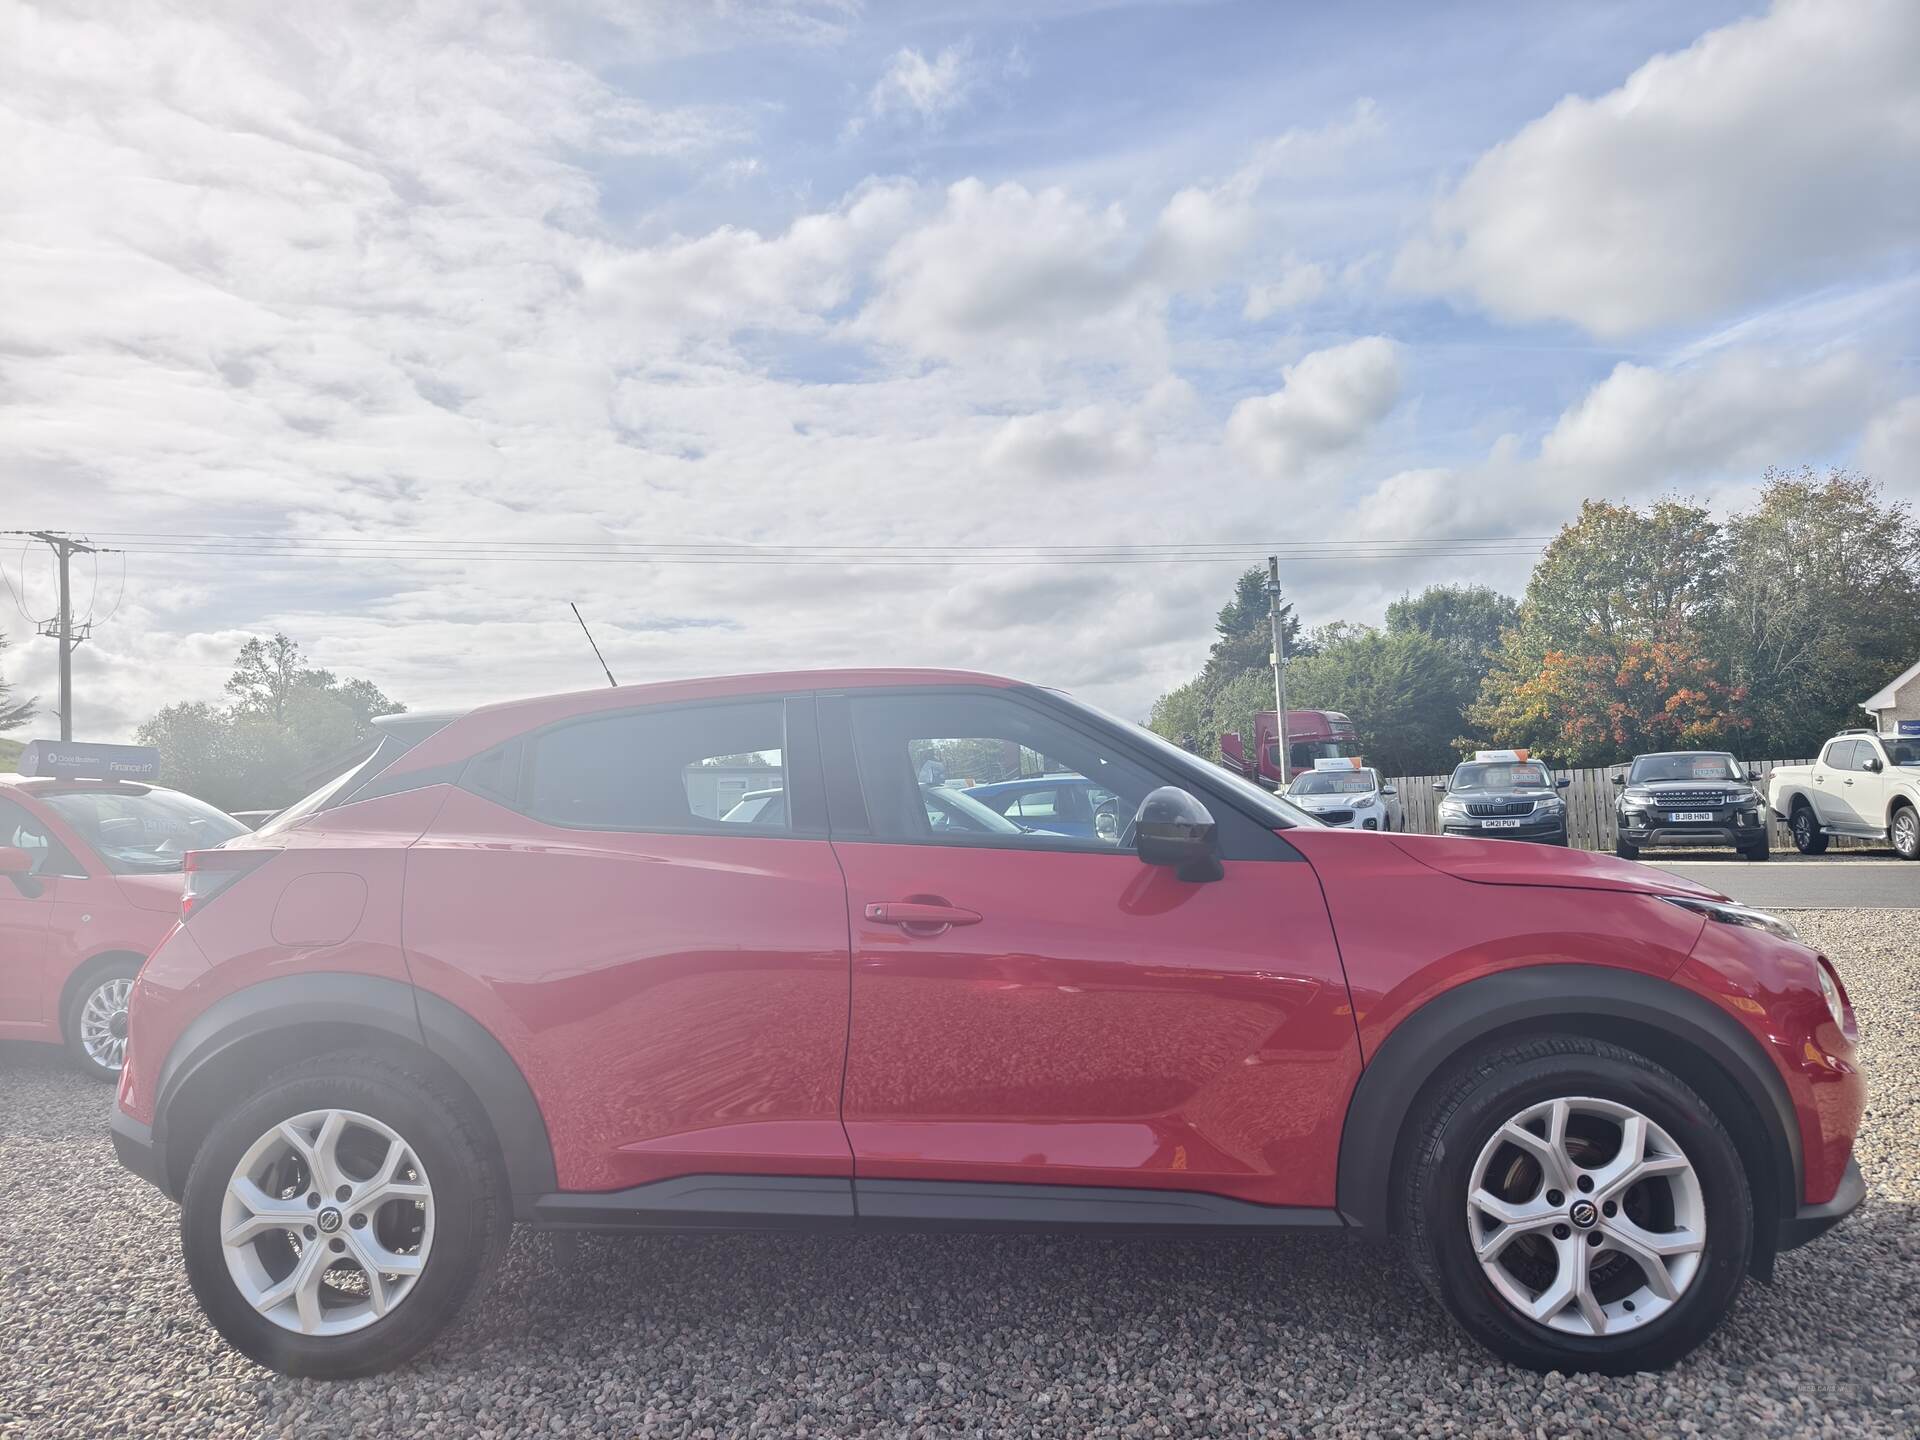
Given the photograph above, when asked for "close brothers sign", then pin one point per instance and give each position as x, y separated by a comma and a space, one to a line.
72, 760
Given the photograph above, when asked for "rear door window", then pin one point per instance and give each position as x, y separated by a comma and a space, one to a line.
684, 769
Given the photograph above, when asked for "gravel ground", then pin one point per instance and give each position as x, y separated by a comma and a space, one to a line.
937, 1336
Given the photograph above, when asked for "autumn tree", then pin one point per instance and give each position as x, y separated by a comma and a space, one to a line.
1819, 605
1596, 707
1620, 595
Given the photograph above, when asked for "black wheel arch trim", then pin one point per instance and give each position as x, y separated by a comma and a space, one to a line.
390, 1007
1534, 998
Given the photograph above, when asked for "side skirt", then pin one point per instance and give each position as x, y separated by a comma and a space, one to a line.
775, 1202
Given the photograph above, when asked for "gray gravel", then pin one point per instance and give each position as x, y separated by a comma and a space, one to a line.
919, 1336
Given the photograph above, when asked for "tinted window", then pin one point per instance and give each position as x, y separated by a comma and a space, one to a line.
681, 769
917, 755
1841, 755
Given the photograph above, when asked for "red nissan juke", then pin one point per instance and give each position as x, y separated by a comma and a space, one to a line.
742, 954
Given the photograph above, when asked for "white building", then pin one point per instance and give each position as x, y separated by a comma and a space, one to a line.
1896, 709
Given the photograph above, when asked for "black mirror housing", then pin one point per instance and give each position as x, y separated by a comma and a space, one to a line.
1618, 778
1174, 829
1440, 787
1562, 783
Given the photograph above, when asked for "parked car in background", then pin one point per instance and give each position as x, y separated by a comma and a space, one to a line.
1688, 797
89, 883
1863, 784
1345, 793
1059, 804
508, 971
1503, 795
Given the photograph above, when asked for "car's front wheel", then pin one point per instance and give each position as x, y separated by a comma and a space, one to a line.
94, 1024
334, 1224
1905, 833
1577, 1207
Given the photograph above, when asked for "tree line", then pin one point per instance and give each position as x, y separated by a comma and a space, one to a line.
1641, 628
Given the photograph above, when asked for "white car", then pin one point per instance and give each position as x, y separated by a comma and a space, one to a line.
1349, 796
1863, 784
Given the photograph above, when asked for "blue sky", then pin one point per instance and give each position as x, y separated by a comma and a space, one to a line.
893, 275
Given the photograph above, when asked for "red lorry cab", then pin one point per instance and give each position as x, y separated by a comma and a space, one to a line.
1311, 735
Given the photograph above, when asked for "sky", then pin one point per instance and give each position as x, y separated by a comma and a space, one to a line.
904, 292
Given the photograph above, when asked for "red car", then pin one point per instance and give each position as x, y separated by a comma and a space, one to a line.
523, 966
89, 883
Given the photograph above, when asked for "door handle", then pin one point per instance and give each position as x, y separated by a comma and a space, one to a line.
916, 914
1846, 782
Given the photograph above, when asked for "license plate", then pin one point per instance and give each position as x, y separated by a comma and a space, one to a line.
1688, 817
1503, 824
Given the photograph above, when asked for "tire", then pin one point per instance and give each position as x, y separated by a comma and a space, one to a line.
1757, 852
1903, 829
1808, 837
1626, 851
1454, 1139
455, 1240
93, 1022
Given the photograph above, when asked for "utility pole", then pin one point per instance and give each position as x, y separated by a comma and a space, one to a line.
1277, 657
65, 547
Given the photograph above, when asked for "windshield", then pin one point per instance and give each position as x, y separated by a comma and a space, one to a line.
1275, 808
1334, 782
1903, 752
1501, 775
143, 834
1702, 765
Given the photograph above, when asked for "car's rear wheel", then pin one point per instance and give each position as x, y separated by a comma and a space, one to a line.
95, 1023
334, 1225
1577, 1207
1808, 837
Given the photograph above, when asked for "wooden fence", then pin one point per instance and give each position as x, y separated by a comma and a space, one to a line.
1589, 800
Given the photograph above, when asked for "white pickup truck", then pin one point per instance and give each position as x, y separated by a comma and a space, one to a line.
1863, 784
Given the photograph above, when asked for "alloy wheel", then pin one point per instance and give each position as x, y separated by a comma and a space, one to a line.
1585, 1216
103, 1022
327, 1222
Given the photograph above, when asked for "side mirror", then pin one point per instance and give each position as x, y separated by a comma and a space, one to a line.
1753, 777
1562, 783
1873, 764
17, 865
1389, 789
1440, 786
1172, 828
1618, 778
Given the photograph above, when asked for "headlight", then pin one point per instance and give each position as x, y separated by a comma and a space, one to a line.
1553, 803
1836, 1007
1728, 914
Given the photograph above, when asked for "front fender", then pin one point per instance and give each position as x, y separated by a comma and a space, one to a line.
1581, 999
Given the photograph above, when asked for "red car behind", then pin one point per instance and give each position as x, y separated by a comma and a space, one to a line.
520, 966
90, 877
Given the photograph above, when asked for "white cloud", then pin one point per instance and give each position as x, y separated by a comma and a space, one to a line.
1709, 430
915, 88
1776, 152
1300, 283
1890, 449
1327, 403
1088, 443
731, 279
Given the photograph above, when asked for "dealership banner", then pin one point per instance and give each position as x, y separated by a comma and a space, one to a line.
75, 760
